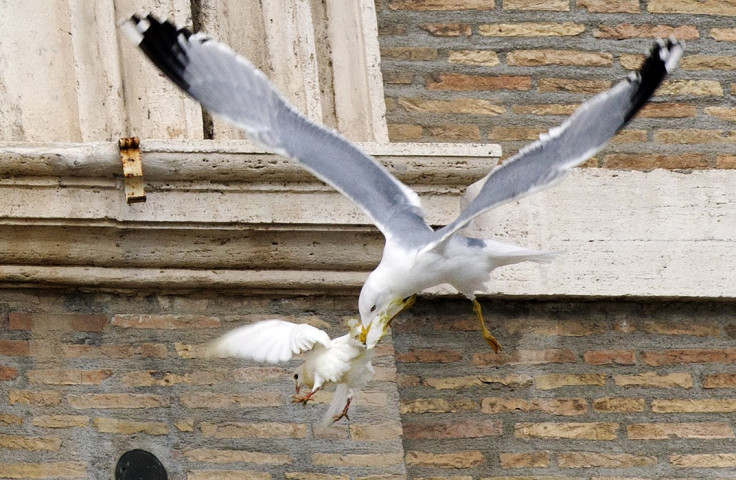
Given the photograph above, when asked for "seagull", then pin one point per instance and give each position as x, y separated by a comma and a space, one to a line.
344, 361
415, 256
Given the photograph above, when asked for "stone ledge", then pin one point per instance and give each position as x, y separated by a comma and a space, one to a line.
225, 216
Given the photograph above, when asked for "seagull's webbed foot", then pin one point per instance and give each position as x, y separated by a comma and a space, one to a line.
487, 336
303, 399
344, 413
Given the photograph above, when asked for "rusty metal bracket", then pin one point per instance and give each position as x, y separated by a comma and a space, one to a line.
130, 156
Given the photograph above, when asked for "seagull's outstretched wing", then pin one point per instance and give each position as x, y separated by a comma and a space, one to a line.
577, 139
231, 87
270, 341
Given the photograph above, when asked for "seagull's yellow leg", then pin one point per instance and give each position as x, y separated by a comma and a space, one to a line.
490, 339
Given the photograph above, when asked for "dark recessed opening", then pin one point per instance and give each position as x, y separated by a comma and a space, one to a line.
139, 465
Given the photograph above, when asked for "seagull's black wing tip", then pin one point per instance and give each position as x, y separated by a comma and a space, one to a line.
163, 43
662, 60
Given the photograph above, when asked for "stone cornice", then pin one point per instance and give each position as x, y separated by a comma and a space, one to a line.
219, 216
223, 216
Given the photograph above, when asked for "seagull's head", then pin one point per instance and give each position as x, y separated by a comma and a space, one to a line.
378, 306
302, 379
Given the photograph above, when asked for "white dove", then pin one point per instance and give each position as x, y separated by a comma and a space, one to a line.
416, 256
344, 361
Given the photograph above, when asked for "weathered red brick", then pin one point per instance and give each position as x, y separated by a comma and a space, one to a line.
696, 7
609, 6
694, 405
44, 470
451, 133
10, 419
553, 406
375, 433
618, 405
231, 400
655, 380
117, 400
445, 430
130, 427
430, 5
21, 442
164, 322
583, 431
727, 161
720, 380
692, 355
8, 373
210, 455
704, 460
454, 383
524, 357
628, 30
544, 5
437, 405
565, 109
404, 132
604, 460
514, 134
574, 85
46, 398
462, 459
553, 328
667, 110
660, 431
60, 421
42, 322
447, 29
14, 348
534, 58
408, 53
681, 328
463, 82
524, 460
429, 356
54, 376
651, 161
111, 350
558, 380
253, 430
610, 357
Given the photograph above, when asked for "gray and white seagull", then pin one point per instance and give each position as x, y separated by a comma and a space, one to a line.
415, 256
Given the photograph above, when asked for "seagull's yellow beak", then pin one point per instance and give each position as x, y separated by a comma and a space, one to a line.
377, 328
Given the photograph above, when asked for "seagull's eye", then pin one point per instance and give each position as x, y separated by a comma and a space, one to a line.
373, 308
296, 376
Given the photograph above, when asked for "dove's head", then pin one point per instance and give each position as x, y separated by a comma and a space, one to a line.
378, 306
302, 378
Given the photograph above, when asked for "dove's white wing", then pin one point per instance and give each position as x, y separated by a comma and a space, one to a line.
270, 341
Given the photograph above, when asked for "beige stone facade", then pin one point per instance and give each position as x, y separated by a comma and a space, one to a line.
618, 357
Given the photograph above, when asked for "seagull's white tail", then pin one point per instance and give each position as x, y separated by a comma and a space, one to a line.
506, 254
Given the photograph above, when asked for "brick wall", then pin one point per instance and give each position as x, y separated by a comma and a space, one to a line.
590, 390
598, 390
504, 71
85, 378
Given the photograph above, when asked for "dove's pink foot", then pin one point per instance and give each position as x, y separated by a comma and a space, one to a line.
303, 399
344, 412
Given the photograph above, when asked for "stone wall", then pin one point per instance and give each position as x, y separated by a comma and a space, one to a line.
505, 71
86, 377
584, 390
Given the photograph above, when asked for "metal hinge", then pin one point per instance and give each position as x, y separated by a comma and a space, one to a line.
130, 156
